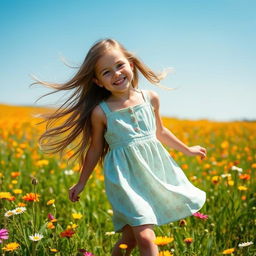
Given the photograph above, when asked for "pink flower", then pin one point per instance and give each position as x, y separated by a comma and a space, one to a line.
50, 217
88, 254
3, 234
200, 215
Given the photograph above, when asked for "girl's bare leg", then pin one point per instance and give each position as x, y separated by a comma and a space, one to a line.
145, 236
128, 239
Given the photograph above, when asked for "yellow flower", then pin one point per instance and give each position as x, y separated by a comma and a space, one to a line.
123, 246
228, 251
17, 191
5, 195
77, 216
215, 179
11, 247
242, 188
224, 144
72, 226
163, 240
53, 250
52, 201
230, 182
41, 163
165, 253
14, 181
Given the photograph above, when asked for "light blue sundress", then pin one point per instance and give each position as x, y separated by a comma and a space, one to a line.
143, 183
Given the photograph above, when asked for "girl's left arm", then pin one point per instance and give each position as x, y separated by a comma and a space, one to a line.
167, 137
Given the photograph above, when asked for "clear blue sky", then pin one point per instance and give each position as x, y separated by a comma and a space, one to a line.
210, 44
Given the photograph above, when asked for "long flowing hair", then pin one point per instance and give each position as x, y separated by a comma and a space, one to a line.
75, 112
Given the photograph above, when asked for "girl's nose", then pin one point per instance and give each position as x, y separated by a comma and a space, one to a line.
117, 73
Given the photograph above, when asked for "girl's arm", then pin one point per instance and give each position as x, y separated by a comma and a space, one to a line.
93, 154
167, 137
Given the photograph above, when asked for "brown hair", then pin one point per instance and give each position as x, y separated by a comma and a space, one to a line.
77, 109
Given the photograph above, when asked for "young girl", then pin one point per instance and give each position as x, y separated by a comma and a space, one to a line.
121, 125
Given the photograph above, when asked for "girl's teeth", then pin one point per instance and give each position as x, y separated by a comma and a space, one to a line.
119, 81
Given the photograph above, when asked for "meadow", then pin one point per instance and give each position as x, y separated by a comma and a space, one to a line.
37, 218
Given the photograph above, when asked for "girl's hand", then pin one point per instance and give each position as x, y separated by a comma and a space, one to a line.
74, 191
197, 151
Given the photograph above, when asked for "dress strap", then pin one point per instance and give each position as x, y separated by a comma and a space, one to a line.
145, 96
105, 108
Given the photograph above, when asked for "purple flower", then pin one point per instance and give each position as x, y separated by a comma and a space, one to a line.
3, 234
200, 215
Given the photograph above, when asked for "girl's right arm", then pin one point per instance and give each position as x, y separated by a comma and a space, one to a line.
93, 154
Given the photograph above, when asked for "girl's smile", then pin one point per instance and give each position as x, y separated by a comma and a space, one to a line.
113, 71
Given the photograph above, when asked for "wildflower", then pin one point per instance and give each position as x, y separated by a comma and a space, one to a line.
228, 251
253, 165
67, 233
5, 195
3, 234
68, 172
34, 181
165, 253
15, 174
36, 237
245, 244
9, 214
77, 216
230, 182
17, 191
31, 197
188, 240
11, 247
200, 215
50, 217
50, 225
41, 163
123, 246
72, 226
21, 204
50, 202
215, 179
235, 168
14, 182
110, 211
110, 233
163, 240
182, 223
242, 188
88, 254
53, 250
19, 210
244, 176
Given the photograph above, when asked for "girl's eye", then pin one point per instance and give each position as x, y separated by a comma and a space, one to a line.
105, 73
120, 65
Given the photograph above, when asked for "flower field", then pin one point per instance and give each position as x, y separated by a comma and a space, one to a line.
37, 218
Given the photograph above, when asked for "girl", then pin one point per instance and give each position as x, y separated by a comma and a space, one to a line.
121, 125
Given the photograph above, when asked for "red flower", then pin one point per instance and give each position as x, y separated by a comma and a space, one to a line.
67, 233
200, 215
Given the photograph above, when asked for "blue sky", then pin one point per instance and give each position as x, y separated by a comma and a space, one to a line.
210, 44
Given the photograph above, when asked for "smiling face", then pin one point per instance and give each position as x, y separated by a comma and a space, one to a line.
114, 71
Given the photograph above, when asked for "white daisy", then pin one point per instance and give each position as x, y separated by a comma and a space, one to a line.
36, 237
225, 175
9, 214
235, 168
68, 172
245, 244
19, 210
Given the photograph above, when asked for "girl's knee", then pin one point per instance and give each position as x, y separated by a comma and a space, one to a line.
145, 238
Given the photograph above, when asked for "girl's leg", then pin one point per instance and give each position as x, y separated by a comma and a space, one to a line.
145, 236
128, 239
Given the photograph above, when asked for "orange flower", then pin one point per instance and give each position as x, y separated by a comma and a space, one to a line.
188, 240
15, 174
31, 197
245, 176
